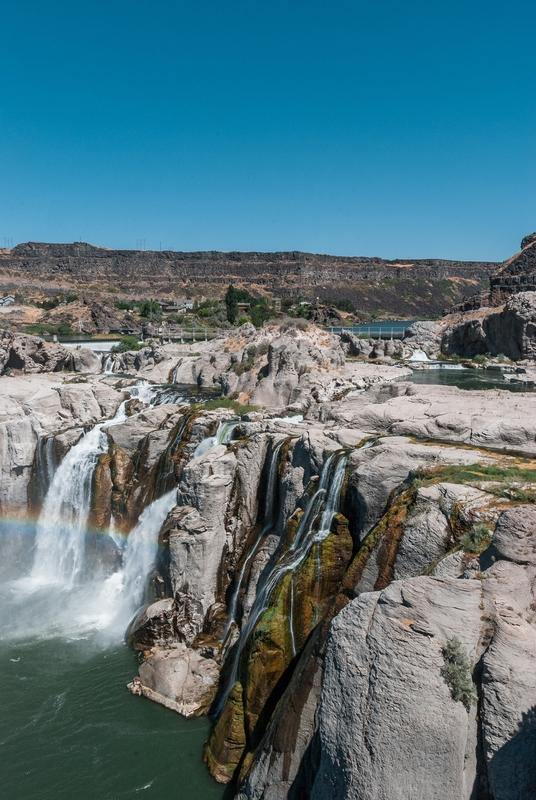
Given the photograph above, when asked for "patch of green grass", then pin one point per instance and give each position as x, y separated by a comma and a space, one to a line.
508, 483
477, 539
466, 473
226, 402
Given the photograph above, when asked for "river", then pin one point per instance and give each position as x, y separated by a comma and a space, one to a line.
70, 730
468, 379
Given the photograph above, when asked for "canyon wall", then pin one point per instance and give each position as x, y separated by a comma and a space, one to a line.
405, 286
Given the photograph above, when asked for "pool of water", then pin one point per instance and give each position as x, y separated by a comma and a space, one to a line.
469, 379
70, 730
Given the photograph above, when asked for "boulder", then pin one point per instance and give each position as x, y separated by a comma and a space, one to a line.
153, 626
513, 331
180, 679
424, 336
84, 360
32, 354
510, 331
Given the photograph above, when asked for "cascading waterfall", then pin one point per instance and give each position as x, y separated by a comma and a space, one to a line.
223, 435
269, 522
61, 528
124, 591
44, 467
328, 496
109, 365
69, 600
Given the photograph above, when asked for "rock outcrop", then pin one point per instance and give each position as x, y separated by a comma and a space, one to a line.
374, 707
33, 408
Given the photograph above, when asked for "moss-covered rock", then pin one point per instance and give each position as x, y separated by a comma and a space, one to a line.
226, 745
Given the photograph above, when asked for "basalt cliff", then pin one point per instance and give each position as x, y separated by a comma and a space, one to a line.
337, 565
401, 287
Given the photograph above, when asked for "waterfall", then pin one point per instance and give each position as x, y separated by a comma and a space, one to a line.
44, 467
61, 528
418, 355
223, 435
109, 365
269, 522
327, 496
124, 591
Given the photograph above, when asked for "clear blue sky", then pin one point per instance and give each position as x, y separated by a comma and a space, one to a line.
393, 128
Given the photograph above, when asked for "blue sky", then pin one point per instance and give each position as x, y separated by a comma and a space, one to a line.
395, 128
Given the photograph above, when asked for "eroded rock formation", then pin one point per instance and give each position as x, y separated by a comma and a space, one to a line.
315, 566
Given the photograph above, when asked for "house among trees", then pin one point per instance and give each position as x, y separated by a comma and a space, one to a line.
8, 300
179, 306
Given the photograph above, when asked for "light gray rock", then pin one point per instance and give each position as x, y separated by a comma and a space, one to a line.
515, 535
153, 626
31, 353
85, 361
198, 527
179, 679
388, 727
424, 336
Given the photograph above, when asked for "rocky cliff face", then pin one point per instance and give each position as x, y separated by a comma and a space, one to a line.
508, 330
369, 714
401, 286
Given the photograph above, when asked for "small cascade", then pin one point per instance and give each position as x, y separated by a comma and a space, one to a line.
171, 395
145, 392
327, 496
165, 474
418, 355
61, 528
223, 435
44, 467
108, 366
269, 522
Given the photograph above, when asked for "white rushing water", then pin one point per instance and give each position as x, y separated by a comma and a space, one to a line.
62, 524
108, 366
124, 591
418, 355
223, 435
64, 594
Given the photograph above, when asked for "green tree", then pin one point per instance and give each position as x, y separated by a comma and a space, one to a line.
231, 303
126, 343
150, 310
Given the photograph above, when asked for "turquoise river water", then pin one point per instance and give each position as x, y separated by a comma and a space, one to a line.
70, 730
